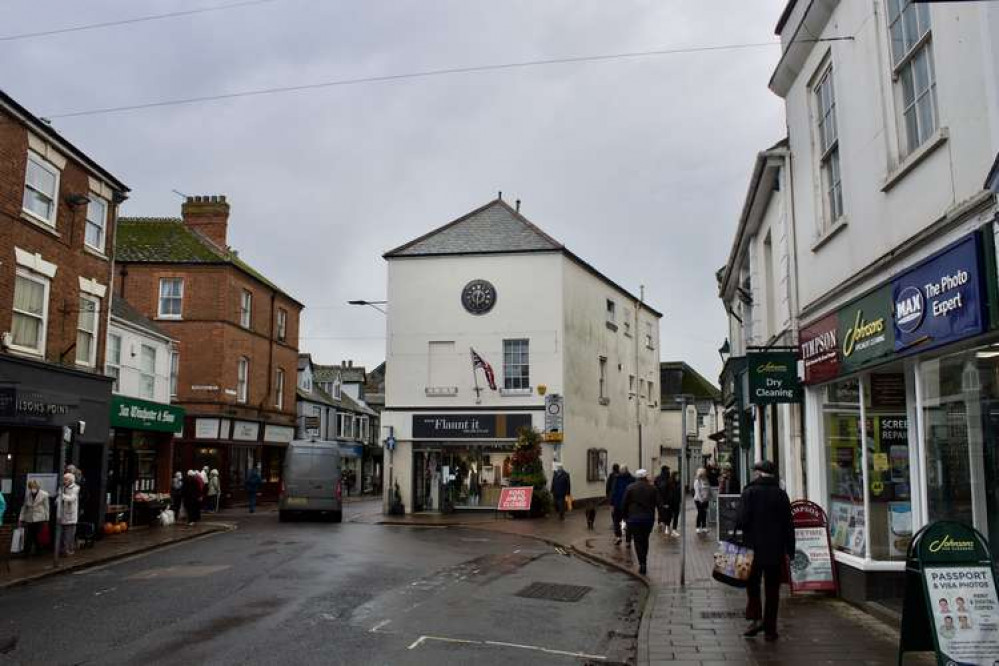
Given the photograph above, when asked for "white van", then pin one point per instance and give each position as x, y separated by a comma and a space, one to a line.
310, 481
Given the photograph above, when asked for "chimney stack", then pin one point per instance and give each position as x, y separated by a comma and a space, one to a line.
208, 215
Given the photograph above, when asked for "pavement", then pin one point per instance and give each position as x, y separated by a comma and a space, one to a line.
312, 592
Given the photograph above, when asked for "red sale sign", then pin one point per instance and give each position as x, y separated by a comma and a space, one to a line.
515, 499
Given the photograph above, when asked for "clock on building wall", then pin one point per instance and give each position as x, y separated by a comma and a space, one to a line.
478, 297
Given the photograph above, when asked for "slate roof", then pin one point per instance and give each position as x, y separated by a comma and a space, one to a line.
317, 395
123, 310
691, 382
493, 228
353, 374
324, 373
167, 240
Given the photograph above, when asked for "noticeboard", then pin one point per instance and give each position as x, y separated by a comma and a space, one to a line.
728, 514
812, 568
950, 605
517, 498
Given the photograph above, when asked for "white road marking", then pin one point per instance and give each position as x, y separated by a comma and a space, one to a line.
378, 626
535, 648
100, 592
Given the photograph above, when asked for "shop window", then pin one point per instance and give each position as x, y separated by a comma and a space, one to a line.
888, 487
596, 464
845, 477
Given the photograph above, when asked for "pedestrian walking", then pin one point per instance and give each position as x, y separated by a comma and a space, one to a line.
214, 490
191, 493
68, 511
609, 492
621, 483
662, 486
561, 489
673, 498
176, 493
767, 528
702, 495
34, 515
253, 481
639, 507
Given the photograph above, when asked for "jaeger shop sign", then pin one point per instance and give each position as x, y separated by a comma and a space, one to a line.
469, 426
940, 300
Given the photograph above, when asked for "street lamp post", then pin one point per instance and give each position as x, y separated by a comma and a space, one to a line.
389, 487
371, 304
682, 399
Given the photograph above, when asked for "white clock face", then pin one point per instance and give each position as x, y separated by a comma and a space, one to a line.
478, 297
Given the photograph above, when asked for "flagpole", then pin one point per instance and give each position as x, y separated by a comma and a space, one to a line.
475, 376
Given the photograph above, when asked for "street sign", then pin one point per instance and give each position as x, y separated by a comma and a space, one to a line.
517, 498
812, 567
390, 443
553, 415
950, 604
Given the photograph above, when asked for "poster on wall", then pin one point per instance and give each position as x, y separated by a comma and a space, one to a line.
846, 524
812, 567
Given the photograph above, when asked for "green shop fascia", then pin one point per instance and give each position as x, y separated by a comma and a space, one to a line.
140, 451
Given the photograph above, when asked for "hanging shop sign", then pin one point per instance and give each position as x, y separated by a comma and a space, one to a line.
950, 604
137, 414
812, 567
940, 300
820, 350
865, 330
469, 426
773, 378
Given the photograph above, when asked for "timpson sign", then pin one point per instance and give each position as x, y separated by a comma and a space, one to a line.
820, 350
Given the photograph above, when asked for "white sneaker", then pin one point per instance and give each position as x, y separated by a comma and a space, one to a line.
675, 533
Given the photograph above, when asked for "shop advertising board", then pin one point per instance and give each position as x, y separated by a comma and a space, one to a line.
728, 514
773, 377
469, 426
950, 605
941, 299
820, 349
865, 330
517, 498
812, 567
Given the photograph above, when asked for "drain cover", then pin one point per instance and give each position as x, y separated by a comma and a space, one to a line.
721, 615
554, 592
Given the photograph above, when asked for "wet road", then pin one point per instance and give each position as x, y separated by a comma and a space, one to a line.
310, 593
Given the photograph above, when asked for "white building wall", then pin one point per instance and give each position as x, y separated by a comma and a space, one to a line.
132, 340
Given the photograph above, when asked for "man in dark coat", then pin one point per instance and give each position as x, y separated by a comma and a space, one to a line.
609, 490
662, 487
621, 483
639, 509
561, 488
767, 528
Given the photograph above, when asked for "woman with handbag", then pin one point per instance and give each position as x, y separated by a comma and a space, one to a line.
768, 528
34, 517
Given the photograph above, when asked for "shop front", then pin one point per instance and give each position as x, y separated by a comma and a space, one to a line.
461, 461
903, 404
37, 401
139, 455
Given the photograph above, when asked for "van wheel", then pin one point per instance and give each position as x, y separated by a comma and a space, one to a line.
283, 516
337, 516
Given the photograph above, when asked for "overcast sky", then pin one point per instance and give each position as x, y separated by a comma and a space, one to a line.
638, 165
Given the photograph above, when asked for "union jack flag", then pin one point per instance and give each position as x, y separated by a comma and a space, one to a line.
479, 362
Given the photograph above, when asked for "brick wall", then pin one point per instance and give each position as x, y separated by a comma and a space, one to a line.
62, 246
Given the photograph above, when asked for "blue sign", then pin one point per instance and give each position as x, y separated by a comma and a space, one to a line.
390, 443
940, 300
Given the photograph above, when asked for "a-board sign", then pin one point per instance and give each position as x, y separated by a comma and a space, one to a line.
728, 513
812, 567
517, 498
950, 596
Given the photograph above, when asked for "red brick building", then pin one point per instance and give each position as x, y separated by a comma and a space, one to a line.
237, 334
57, 225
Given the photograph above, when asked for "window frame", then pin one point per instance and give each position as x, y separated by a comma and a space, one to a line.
246, 309
243, 380
603, 398
610, 311
44, 328
45, 165
828, 144
174, 372
112, 361
521, 380
282, 324
147, 376
160, 314
90, 362
905, 64
279, 388
103, 226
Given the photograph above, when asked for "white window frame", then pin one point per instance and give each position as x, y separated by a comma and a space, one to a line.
827, 135
54, 197
246, 308
242, 380
44, 328
160, 314
112, 361
282, 324
174, 371
102, 226
279, 388
603, 397
147, 378
903, 65
91, 361
522, 348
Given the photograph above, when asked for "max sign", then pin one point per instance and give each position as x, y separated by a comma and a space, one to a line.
940, 300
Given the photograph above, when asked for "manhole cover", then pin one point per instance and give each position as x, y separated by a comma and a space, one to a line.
721, 615
554, 592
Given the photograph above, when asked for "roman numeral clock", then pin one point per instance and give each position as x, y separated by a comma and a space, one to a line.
478, 297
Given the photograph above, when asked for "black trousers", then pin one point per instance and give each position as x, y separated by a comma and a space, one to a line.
31, 541
640, 535
755, 610
617, 516
702, 513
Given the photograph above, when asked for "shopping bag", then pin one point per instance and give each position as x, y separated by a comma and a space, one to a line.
733, 563
568, 502
44, 536
17, 541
